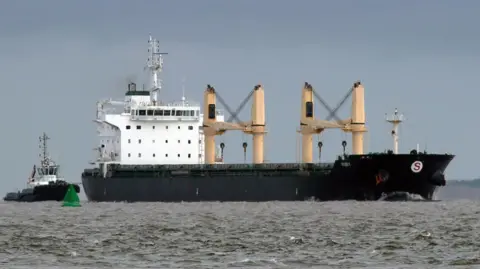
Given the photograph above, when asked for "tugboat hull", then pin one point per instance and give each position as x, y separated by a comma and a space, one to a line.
51, 192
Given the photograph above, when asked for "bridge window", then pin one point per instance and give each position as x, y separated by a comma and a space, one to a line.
127, 127
192, 113
179, 113
139, 127
166, 113
142, 112
189, 155
158, 112
197, 112
149, 112
190, 127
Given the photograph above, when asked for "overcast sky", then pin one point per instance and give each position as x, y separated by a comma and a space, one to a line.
57, 58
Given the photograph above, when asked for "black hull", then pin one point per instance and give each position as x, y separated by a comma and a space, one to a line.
51, 192
353, 178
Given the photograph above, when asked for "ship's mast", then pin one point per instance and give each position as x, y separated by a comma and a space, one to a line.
183, 92
44, 159
395, 119
155, 67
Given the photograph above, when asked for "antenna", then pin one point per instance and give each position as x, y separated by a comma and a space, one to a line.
44, 159
395, 120
183, 90
155, 66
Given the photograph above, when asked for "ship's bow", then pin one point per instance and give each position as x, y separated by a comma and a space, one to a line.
420, 174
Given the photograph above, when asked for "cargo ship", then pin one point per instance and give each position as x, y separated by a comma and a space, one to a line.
45, 182
153, 151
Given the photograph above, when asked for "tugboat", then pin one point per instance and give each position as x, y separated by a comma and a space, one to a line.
44, 183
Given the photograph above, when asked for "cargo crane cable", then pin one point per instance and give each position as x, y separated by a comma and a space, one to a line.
339, 105
240, 107
344, 137
222, 146
244, 145
319, 145
344, 145
333, 112
233, 115
325, 105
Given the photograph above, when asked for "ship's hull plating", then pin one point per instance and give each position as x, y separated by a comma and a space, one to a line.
358, 177
51, 192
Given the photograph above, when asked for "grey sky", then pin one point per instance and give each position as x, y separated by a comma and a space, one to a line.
57, 58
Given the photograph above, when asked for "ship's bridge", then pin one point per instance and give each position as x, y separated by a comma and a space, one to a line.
180, 111
47, 171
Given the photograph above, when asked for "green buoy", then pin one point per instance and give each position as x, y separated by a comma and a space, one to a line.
71, 198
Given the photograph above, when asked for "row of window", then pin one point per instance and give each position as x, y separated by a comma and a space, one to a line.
166, 155
153, 141
162, 112
166, 141
139, 127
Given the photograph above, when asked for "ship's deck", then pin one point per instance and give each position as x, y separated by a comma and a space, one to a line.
219, 167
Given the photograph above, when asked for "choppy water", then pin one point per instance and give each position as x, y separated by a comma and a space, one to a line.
241, 235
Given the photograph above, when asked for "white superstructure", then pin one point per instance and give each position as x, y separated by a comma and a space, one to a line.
149, 130
48, 171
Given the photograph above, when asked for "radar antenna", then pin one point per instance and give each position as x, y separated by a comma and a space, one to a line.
155, 66
395, 119
44, 158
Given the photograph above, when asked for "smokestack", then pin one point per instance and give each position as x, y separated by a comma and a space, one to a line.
209, 118
258, 124
307, 113
358, 117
